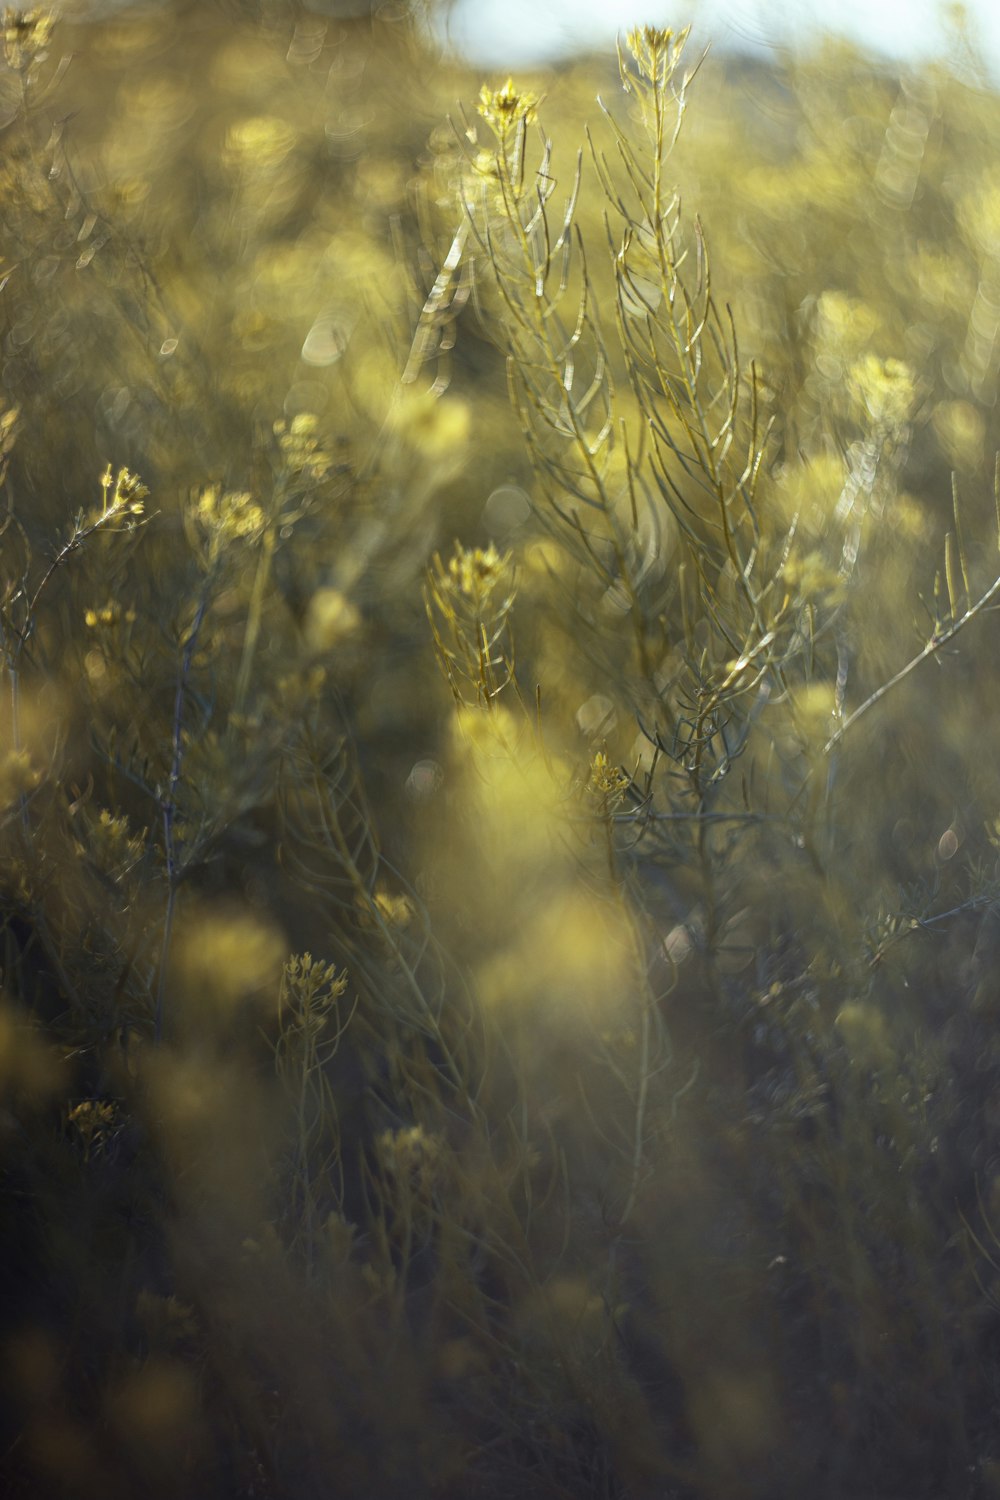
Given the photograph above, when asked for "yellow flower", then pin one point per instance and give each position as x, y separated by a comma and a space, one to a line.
18, 776
301, 447
412, 1157
26, 34
108, 615
229, 516
608, 781
474, 571
507, 107
123, 492
657, 51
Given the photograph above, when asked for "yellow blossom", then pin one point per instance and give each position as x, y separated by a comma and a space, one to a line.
18, 776
26, 34
657, 51
230, 515
411, 1157
300, 445
474, 572
607, 780
107, 616
124, 492
507, 107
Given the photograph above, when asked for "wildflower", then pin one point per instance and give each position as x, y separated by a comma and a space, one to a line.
608, 781
303, 972
124, 493
300, 446
130, 492
394, 909
475, 573
506, 108
18, 776
411, 1156
26, 34
657, 51
108, 615
93, 1122
110, 844
226, 516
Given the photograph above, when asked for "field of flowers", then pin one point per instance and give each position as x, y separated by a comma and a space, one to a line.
499, 812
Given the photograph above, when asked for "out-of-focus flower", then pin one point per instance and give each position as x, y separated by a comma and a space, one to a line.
26, 34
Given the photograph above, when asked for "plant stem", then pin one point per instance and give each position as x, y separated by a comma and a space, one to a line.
936, 643
169, 806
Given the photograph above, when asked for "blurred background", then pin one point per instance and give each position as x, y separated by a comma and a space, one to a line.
518, 31
405, 1099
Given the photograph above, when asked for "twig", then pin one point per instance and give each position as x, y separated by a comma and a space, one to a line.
937, 642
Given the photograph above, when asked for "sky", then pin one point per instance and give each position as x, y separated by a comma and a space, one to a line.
513, 33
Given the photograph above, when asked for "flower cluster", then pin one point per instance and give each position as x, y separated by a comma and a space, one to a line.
608, 781
300, 446
220, 517
110, 843
412, 1157
475, 572
26, 34
506, 109
124, 492
657, 51
108, 616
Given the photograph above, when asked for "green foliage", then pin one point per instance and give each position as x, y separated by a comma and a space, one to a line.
577, 1077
